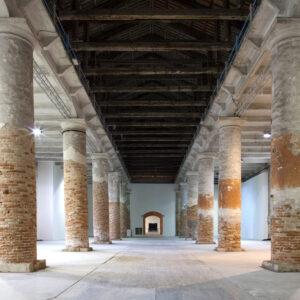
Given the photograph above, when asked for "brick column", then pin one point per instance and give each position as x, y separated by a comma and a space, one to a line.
123, 208
101, 167
128, 191
178, 211
75, 185
114, 205
206, 200
285, 149
192, 210
184, 205
17, 152
229, 238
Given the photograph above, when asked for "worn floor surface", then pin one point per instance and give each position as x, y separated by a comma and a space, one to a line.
159, 269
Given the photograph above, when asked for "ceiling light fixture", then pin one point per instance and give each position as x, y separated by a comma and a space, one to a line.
37, 132
267, 135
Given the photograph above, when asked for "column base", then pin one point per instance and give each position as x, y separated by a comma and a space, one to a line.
77, 249
280, 266
23, 267
102, 242
205, 243
219, 249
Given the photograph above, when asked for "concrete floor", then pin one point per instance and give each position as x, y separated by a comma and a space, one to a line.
152, 269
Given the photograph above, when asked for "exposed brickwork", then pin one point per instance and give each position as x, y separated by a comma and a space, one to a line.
18, 198
229, 215
124, 219
114, 220
76, 206
183, 223
285, 221
100, 212
17, 155
192, 221
205, 221
229, 226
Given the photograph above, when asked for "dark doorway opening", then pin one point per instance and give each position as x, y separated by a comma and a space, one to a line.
152, 227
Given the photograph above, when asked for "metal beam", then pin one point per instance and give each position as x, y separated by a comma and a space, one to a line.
148, 71
152, 89
150, 46
109, 15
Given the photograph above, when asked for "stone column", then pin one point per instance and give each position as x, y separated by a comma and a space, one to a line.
192, 210
206, 200
229, 184
123, 208
101, 167
114, 205
17, 152
75, 185
178, 211
285, 149
184, 206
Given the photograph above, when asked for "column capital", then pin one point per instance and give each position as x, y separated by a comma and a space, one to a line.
191, 173
230, 121
114, 175
183, 185
285, 30
206, 155
73, 125
99, 155
17, 27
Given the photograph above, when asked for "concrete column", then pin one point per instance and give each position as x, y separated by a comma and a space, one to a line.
229, 184
114, 205
285, 150
206, 200
101, 167
178, 211
17, 152
184, 205
192, 210
123, 208
75, 185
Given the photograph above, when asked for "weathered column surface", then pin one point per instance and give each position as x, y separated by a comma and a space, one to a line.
17, 152
114, 205
127, 203
178, 211
123, 209
184, 206
285, 150
229, 184
206, 200
75, 185
192, 210
101, 167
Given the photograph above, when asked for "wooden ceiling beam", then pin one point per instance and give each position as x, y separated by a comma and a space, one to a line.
134, 46
151, 124
109, 15
153, 151
152, 114
148, 71
152, 89
151, 145
150, 155
152, 103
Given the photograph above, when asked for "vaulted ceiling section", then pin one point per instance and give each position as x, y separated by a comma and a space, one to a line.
152, 66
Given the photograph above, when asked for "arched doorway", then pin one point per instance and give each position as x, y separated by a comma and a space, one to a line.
153, 223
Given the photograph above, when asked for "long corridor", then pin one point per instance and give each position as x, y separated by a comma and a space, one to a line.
158, 269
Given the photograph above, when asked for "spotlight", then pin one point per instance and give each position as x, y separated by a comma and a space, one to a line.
37, 132
267, 135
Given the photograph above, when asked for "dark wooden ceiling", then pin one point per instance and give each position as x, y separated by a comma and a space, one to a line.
152, 65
